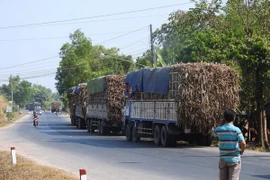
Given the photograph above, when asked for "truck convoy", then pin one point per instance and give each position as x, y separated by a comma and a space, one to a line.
180, 102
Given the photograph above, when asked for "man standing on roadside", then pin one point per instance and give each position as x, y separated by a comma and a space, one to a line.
231, 146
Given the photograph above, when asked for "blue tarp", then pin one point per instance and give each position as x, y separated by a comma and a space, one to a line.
77, 89
151, 80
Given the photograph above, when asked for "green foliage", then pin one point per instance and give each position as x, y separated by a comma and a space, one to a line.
25, 92
235, 33
82, 61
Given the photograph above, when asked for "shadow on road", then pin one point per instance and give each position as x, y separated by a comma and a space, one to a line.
262, 176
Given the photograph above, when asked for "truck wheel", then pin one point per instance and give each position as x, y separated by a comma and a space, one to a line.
88, 125
102, 129
201, 140
91, 128
136, 136
77, 122
98, 127
165, 137
173, 141
208, 140
81, 124
73, 121
157, 135
129, 132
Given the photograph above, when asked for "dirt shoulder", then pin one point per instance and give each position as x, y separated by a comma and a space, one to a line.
26, 169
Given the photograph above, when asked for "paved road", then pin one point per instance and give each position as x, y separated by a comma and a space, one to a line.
55, 142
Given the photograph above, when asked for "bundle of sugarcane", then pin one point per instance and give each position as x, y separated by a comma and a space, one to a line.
111, 95
115, 89
204, 91
83, 93
201, 90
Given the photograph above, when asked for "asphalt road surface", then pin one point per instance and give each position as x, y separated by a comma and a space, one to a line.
56, 143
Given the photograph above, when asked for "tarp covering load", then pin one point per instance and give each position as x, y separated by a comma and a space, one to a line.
113, 88
150, 80
96, 85
201, 90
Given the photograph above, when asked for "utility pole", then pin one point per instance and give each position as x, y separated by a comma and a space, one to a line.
11, 87
152, 46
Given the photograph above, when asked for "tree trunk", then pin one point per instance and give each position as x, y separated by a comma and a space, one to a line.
259, 114
261, 118
266, 140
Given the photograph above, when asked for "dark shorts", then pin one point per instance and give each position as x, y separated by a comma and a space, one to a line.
228, 170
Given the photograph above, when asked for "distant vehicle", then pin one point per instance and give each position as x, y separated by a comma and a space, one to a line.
55, 106
39, 112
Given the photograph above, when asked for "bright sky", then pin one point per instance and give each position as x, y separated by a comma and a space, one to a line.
23, 44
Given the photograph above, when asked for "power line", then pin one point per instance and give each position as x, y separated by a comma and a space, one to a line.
61, 37
25, 68
102, 20
32, 77
36, 61
43, 75
91, 17
141, 49
122, 35
139, 54
32, 39
131, 44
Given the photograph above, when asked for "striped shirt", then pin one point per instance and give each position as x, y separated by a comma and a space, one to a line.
229, 137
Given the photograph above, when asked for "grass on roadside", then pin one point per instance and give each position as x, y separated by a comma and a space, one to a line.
5, 122
28, 170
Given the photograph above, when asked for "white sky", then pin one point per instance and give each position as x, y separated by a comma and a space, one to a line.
18, 47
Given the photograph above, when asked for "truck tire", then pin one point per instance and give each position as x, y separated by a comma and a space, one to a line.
201, 140
135, 135
101, 129
129, 132
157, 135
165, 138
208, 140
173, 141
83, 124
77, 122
90, 126
73, 121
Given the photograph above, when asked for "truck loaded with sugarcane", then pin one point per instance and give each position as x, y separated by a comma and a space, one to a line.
77, 97
104, 106
180, 102
96, 105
